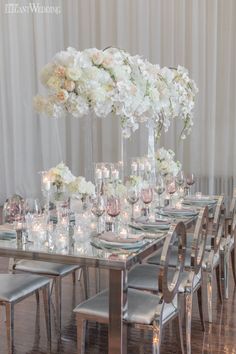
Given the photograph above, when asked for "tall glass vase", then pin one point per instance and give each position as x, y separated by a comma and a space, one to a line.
151, 150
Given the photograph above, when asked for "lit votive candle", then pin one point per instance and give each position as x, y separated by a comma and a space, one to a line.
46, 183
141, 166
105, 173
178, 205
115, 174
198, 195
134, 166
98, 173
123, 233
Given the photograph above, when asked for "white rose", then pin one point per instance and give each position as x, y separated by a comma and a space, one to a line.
46, 73
54, 83
73, 73
69, 85
97, 57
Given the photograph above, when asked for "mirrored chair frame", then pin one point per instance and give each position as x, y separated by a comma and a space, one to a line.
191, 279
211, 260
228, 246
167, 294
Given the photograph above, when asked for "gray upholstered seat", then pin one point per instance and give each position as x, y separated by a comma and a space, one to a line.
142, 307
39, 267
145, 277
16, 286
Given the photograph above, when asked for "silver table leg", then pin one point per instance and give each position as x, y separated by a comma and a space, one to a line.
117, 342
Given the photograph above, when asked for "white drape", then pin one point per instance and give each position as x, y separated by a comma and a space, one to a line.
197, 34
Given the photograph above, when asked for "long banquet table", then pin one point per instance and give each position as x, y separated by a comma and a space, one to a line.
87, 255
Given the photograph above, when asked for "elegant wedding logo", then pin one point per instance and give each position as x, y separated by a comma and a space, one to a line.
31, 7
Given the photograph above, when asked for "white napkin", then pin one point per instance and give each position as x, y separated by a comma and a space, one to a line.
112, 237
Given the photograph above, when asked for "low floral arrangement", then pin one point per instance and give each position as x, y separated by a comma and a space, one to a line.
82, 187
61, 176
115, 189
112, 81
166, 164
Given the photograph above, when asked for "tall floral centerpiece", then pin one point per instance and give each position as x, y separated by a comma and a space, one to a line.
112, 81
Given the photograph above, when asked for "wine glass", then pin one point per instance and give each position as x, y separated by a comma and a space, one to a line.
179, 179
98, 209
159, 188
146, 197
132, 198
171, 188
190, 180
113, 208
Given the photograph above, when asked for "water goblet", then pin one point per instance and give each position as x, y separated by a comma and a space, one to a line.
171, 188
159, 188
98, 209
132, 198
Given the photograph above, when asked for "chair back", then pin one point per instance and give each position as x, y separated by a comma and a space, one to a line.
199, 240
218, 224
168, 280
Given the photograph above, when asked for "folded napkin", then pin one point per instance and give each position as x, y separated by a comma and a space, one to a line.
203, 198
145, 221
182, 211
114, 238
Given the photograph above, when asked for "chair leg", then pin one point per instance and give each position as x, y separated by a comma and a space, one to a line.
200, 307
226, 273
58, 303
46, 300
10, 326
11, 265
209, 295
98, 285
156, 337
81, 328
233, 259
74, 277
218, 282
188, 311
37, 297
86, 281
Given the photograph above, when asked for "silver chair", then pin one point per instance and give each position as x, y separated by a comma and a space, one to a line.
15, 288
211, 262
144, 310
144, 276
228, 246
55, 271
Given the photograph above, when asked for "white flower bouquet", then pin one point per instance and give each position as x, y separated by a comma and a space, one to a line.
166, 164
113, 81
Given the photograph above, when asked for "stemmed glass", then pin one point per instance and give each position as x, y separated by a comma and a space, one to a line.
113, 209
98, 209
190, 180
159, 188
132, 198
146, 197
171, 188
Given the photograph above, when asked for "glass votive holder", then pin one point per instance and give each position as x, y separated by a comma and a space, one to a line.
198, 195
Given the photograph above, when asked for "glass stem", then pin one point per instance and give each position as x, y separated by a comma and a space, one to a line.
132, 213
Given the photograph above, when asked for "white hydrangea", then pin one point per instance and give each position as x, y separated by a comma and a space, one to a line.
166, 164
